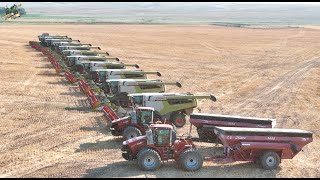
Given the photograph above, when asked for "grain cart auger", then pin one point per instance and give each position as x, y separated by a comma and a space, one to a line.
171, 106
117, 90
161, 144
101, 75
205, 124
133, 125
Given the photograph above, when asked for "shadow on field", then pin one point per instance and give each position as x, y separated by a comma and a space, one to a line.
171, 170
47, 66
114, 143
116, 169
47, 73
101, 126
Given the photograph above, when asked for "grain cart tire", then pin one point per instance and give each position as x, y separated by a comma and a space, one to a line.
131, 132
79, 68
178, 119
148, 159
190, 160
269, 160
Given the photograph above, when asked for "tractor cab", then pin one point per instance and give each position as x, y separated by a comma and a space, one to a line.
161, 135
144, 115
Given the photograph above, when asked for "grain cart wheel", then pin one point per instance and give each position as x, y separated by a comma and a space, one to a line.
148, 159
131, 132
270, 160
178, 119
190, 160
79, 68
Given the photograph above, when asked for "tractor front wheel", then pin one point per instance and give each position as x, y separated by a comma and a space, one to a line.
270, 160
131, 132
190, 160
178, 119
148, 160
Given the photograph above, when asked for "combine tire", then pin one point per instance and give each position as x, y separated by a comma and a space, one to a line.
148, 159
178, 119
131, 132
269, 160
190, 160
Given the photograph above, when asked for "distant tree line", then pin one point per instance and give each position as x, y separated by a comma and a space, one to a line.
21, 10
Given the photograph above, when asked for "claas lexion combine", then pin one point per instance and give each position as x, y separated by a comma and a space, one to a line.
171, 106
148, 116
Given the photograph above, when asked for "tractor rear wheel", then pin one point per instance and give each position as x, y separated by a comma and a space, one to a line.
148, 159
269, 160
131, 132
178, 119
190, 160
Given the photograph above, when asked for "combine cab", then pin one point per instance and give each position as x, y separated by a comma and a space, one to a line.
134, 125
161, 144
171, 106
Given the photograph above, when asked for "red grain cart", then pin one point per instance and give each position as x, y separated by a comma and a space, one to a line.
265, 146
205, 124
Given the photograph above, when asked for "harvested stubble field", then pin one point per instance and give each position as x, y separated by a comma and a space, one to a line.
47, 129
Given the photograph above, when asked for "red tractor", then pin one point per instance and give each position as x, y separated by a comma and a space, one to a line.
161, 144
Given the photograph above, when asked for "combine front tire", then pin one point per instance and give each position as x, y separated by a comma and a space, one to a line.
178, 119
269, 160
131, 132
148, 159
190, 160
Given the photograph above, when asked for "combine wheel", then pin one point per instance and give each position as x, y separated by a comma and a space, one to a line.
190, 160
148, 159
131, 132
178, 119
269, 160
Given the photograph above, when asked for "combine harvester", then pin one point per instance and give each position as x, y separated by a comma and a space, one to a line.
117, 90
171, 106
265, 146
12, 13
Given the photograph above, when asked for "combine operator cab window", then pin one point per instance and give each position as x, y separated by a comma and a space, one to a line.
102, 76
137, 100
105, 87
72, 61
162, 136
86, 67
114, 87
144, 117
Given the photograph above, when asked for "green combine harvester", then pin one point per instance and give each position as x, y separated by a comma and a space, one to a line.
12, 12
